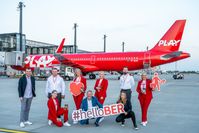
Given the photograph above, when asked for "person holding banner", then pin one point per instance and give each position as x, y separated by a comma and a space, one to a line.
87, 104
145, 96
100, 87
55, 110
127, 83
128, 110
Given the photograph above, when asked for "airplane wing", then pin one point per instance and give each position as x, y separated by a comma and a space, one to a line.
171, 55
68, 62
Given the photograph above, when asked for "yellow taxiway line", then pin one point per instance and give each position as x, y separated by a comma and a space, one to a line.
11, 131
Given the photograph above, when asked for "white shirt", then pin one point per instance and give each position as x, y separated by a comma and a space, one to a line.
100, 82
89, 104
143, 86
28, 91
78, 79
55, 83
127, 82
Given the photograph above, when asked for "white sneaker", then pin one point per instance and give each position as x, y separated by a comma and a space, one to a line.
101, 119
144, 124
50, 122
67, 124
122, 125
22, 125
28, 123
75, 122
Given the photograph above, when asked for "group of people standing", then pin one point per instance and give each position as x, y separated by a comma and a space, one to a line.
144, 90
55, 91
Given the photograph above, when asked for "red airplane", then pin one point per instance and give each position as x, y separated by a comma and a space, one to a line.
165, 51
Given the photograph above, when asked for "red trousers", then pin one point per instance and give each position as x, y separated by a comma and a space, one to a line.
78, 100
63, 112
99, 98
144, 103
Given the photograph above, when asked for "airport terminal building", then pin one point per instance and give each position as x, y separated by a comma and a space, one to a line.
10, 42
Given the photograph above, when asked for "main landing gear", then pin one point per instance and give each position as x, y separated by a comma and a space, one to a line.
92, 76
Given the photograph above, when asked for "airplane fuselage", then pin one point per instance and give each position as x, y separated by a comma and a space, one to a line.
103, 61
165, 51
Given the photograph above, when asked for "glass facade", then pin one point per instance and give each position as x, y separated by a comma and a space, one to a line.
35, 47
11, 42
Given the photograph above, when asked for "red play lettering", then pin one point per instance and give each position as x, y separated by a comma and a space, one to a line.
107, 110
120, 108
113, 108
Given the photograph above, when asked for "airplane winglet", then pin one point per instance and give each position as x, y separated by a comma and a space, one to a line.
59, 49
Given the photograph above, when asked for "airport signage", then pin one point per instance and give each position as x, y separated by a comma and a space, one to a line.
96, 112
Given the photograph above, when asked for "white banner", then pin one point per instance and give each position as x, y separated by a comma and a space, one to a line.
95, 112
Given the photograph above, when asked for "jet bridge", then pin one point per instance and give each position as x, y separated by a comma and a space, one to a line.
15, 58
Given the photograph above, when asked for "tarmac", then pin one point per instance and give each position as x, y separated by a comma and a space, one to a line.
175, 109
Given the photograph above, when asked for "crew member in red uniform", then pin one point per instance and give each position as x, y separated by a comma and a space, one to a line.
145, 96
78, 99
100, 87
54, 110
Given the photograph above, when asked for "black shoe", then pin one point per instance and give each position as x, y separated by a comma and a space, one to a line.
96, 124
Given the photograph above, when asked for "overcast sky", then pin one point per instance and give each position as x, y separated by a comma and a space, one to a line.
136, 22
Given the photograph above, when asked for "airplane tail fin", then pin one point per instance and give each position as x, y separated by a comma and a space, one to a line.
172, 38
59, 49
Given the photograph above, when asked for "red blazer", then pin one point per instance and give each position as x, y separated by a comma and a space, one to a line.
83, 80
104, 86
149, 90
52, 112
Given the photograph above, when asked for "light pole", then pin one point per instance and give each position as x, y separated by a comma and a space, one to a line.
104, 43
20, 7
75, 37
123, 46
147, 48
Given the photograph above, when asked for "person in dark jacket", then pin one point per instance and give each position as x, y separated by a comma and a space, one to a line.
128, 111
87, 104
26, 90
